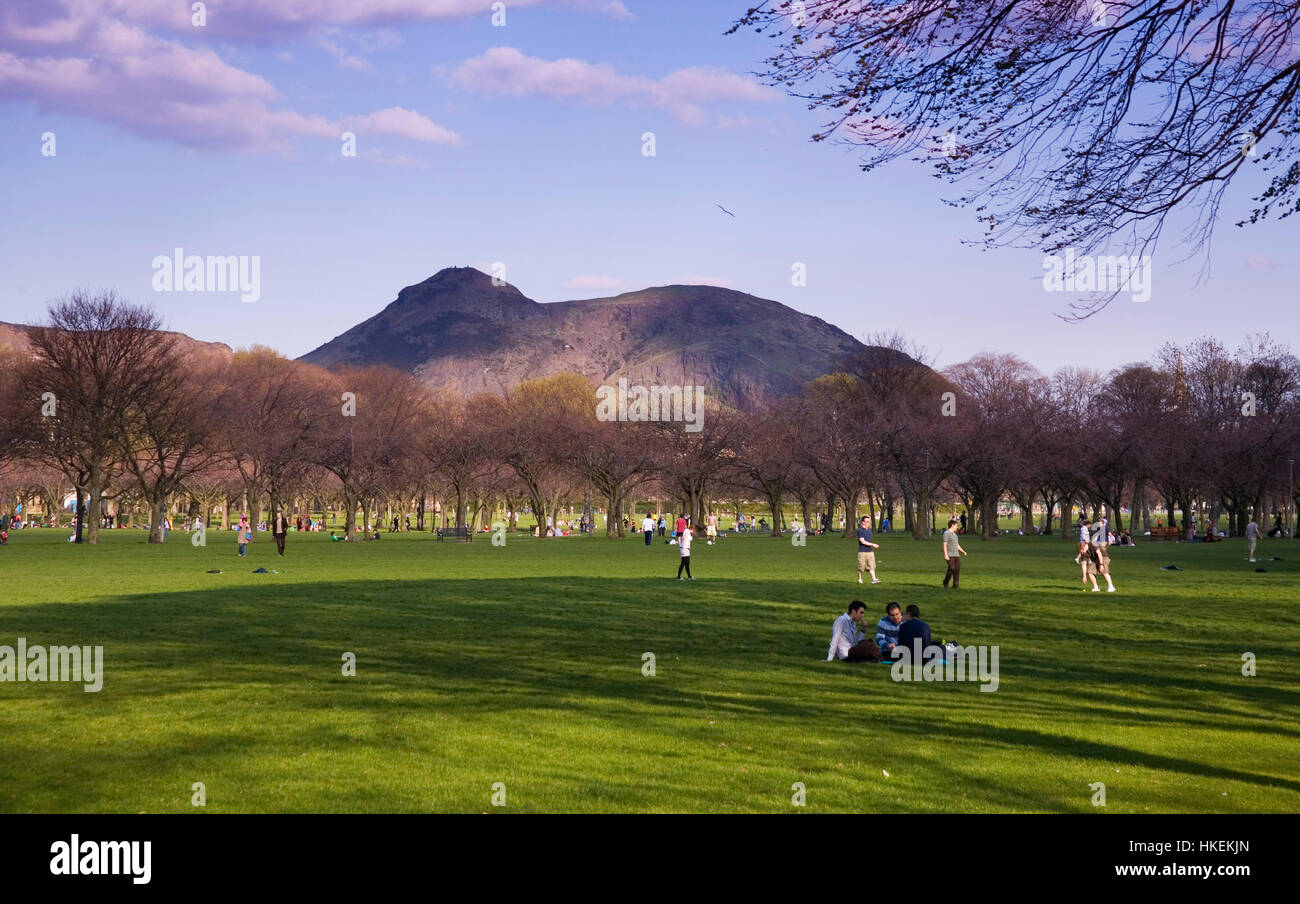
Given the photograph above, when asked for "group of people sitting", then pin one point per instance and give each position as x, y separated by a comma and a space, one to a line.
898, 630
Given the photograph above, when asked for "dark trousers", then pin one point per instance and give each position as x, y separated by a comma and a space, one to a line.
954, 570
279, 543
686, 563
648, 535
864, 651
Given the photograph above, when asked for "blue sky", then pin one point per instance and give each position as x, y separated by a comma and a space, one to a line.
519, 144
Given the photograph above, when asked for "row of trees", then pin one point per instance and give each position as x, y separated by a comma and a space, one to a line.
108, 405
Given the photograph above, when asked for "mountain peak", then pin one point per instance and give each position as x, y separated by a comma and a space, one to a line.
453, 279
458, 329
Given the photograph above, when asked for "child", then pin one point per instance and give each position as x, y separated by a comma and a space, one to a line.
243, 536
1083, 539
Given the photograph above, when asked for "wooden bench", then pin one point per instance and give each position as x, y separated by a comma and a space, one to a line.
456, 533
1166, 533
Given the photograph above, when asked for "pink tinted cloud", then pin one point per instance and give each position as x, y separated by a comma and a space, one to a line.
403, 124
73, 58
267, 21
506, 71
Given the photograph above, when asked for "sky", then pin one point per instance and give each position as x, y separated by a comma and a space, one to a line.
520, 144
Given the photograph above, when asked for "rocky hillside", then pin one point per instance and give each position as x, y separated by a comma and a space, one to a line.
457, 329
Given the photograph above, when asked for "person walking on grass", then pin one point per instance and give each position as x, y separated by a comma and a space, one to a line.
952, 553
243, 535
684, 543
866, 551
1099, 563
1083, 539
1084, 552
648, 527
1252, 537
280, 530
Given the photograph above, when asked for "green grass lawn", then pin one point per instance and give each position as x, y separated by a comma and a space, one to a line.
523, 665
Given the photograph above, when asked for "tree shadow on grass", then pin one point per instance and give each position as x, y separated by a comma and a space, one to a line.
471, 648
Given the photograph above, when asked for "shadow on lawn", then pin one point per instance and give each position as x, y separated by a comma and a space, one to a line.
467, 648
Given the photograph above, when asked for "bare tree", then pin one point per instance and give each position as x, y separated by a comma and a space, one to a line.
1074, 124
363, 444
170, 435
269, 421
94, 364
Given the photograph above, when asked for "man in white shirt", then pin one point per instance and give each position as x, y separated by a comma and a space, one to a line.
952, 553
1252, 537
849, 642
684, 542
648, 527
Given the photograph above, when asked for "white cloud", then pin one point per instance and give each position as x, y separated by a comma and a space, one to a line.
404, 124
142, 65
506, 71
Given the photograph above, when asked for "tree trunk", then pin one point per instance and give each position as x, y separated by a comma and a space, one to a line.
81, 513
94, 511
921, 521
157, 515
989, 519
350, 515
774, 508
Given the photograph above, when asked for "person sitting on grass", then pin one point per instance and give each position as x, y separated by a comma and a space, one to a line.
849, 642
887, 630
914, 634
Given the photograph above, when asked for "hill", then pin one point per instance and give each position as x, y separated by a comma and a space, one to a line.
458, 329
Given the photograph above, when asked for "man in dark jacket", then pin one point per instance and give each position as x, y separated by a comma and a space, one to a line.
279, 530
914, 634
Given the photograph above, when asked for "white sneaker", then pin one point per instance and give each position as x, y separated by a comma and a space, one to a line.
1096, 590
859, 580
875, 580
1110, 589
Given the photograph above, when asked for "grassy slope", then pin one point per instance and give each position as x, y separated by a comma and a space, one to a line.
522, 665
